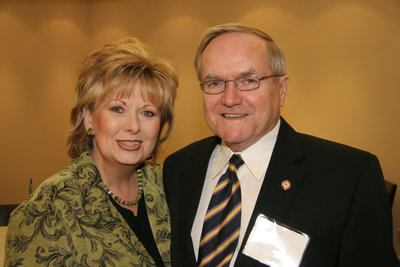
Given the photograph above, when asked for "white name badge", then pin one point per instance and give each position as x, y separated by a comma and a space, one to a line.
275, 244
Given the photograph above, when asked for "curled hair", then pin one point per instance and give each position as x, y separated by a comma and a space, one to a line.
276, 58
111, 70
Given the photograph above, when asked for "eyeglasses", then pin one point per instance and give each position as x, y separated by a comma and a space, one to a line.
246, 83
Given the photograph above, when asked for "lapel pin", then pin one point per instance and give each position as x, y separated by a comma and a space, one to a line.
286, 185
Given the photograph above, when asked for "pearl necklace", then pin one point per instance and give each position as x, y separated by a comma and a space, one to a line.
124, 202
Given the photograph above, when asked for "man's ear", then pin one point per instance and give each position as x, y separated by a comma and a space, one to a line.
87, 118
284, 84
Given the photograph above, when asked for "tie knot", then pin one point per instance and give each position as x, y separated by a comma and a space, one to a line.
235, 162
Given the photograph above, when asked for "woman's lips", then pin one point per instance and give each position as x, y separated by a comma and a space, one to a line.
129, 144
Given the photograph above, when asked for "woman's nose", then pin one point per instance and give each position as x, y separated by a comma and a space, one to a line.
132, 124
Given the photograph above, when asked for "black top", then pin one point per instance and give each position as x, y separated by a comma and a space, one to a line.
141, 227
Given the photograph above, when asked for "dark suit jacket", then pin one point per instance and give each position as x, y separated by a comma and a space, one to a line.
337, 197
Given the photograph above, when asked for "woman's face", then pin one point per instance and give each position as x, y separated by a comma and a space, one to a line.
125, 130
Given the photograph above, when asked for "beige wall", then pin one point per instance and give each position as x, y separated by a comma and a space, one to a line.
342, 56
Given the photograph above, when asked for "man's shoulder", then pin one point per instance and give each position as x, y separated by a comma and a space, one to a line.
198, 146
328, 151
203, 146
315, 143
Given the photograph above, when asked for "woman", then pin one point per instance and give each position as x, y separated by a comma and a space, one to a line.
107, 208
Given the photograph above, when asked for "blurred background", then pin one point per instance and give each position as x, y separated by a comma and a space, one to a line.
343, 60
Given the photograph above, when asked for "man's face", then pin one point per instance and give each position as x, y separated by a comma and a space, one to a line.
241, 118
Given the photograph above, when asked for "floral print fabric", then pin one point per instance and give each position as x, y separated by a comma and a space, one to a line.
70, 221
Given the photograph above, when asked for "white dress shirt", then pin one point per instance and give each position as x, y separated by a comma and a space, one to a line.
251, 176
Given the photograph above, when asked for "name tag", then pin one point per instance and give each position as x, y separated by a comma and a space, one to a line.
275, 244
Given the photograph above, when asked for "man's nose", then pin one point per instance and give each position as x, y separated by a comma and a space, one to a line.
232, 95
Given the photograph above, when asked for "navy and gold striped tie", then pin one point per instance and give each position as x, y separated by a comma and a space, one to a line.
221, 227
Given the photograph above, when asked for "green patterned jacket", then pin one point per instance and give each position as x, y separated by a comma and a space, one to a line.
70, 221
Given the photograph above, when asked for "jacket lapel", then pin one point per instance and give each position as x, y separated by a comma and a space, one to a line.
157, 211
192, 190
282, 180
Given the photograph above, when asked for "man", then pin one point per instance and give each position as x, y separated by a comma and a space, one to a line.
332, 193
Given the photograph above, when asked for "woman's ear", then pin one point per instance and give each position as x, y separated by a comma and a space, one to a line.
87, 118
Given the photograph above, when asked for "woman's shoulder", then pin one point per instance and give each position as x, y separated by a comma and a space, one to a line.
152, 173
81, 168
80, 172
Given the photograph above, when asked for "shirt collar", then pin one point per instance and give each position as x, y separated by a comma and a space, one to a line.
256, 157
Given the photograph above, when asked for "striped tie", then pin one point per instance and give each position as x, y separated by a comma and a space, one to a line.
221, 228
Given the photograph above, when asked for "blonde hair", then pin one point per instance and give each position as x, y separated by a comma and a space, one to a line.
276, 58
111, 70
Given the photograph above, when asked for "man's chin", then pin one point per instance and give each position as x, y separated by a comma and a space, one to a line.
235, 144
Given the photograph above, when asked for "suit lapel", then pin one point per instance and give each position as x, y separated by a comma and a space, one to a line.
195, 172
283, 172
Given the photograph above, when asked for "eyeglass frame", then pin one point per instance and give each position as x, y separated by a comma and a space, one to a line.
260, 78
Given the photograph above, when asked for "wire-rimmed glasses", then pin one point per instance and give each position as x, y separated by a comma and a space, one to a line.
246, 83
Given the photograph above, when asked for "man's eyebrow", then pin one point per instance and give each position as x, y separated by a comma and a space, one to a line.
211, 77
248, 72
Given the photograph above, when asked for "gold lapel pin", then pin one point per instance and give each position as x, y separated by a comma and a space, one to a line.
286, 185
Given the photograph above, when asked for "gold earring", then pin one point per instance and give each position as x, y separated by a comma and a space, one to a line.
90, 131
